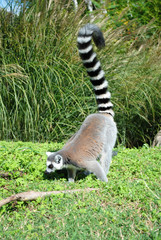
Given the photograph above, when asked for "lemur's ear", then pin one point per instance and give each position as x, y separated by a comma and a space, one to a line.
49, 153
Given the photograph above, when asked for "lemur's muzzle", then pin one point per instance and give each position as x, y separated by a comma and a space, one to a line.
49, 168
46, 172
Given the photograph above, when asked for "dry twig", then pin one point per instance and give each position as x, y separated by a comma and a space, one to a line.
31, 195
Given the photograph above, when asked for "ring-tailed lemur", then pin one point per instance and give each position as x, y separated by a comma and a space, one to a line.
97, 135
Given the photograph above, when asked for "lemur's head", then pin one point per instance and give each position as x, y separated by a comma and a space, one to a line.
54, 162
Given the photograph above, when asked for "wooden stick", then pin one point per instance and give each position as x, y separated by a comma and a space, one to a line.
31, 195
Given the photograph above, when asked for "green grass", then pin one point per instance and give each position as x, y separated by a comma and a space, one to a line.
127, 207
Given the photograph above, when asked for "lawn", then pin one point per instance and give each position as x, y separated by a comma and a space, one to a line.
127, 207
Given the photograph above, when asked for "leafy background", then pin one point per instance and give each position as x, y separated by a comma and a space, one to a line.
45, 93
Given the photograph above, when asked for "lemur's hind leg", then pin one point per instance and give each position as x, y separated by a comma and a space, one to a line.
95, 167
105, 160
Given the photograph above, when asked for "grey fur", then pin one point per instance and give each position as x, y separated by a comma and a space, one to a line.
157, 140
97, 135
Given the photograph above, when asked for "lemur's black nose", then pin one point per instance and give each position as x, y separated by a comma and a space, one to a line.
50, 166
46, 172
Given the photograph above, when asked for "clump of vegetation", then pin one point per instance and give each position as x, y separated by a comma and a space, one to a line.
44, 91
144, 10
133, 70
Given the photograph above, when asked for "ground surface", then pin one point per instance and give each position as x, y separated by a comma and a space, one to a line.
125, 208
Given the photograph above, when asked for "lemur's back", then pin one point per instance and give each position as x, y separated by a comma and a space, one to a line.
96, 132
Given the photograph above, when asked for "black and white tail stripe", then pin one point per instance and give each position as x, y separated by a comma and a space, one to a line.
93, 66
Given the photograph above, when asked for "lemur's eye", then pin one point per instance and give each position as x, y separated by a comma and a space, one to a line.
50, 166
58, 159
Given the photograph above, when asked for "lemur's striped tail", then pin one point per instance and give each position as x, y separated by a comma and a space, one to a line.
93, 66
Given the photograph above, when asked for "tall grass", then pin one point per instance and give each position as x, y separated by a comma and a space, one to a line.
134, 72
44, 91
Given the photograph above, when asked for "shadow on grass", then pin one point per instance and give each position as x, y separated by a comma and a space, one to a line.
58, 174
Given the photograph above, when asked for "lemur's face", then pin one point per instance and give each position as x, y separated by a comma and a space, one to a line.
54, 162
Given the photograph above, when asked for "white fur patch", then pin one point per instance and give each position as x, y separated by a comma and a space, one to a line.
70, 180
49, 153
86, 50
99, 76
83, 39
90, 59
110, 111
48, 163
49, 170
109, 104
103, 96
96, 67
58, 166
103, 85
